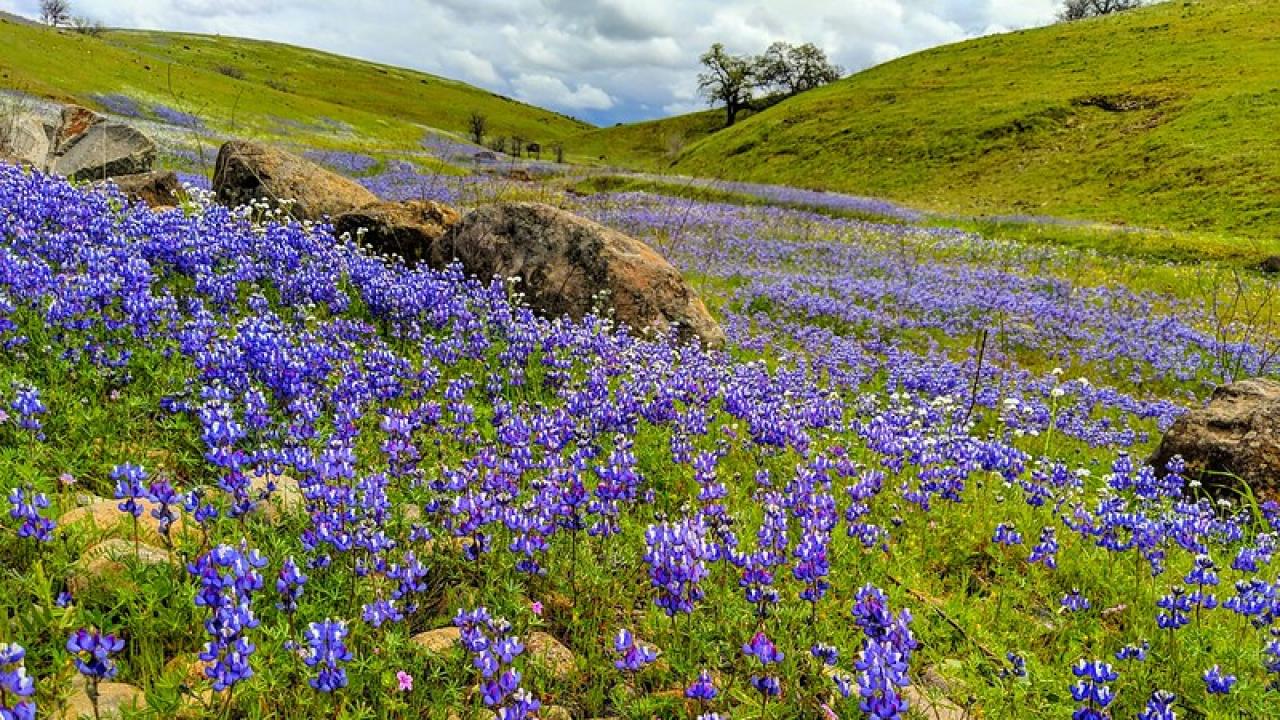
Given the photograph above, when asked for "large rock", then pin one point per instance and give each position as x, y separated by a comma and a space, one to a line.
1237, 434
247, 172
159, 188
25, 139
566, 264
403, 229
87, 146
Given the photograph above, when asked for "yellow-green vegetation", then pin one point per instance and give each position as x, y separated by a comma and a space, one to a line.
650, 145
1161, 117
252, 87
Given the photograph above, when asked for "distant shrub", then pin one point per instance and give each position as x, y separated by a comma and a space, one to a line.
87, 26
230, 71
278, 85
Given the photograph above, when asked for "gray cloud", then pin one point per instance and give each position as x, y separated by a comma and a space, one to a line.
605, 60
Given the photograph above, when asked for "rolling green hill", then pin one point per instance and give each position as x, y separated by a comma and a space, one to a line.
1167, 116
253, 87
650, 145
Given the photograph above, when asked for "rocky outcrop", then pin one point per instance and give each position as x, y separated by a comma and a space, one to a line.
83, 146
246, 172
27, 140
159, 188
86, 146
404, 229
1234, 438
569, 265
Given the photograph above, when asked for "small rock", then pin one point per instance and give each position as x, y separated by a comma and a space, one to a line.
548, 651
520, 175
932, 706
555, 712
103, 564
107, 516
439, 640
485, 714
158, 189
285, 496
403, 229
1270, 265
187, 668
113, 700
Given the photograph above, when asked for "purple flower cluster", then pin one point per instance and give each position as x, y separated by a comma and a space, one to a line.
17, 689
228, 577
325, 650
26, 506
493, 650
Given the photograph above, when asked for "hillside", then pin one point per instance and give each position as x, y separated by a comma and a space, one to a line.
1159, 117
258, 88
649, 145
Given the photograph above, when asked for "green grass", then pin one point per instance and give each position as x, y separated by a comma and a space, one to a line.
1163, 117
652, 145
256, 88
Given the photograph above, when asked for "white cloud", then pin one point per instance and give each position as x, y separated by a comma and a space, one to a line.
551, 91
607, 58
472, 68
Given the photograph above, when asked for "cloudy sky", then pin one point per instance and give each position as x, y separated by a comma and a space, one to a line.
601, 60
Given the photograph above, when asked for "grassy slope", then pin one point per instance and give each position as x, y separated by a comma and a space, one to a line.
650, 145
1002, 124
381, 103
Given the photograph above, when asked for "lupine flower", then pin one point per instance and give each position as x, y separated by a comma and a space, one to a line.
882, 671
1006, 534
1046, 550
702, 689
1074, 601
676, 556
93, 653
167, 500
1176, 606
1134, 652
1159, 706
493, 651
326, 650
228, 577
1017, 665
634, 656
17, 689
762, 648
26, 507
129, 488
1217, 683
828, 654
1093, 689
289, 586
